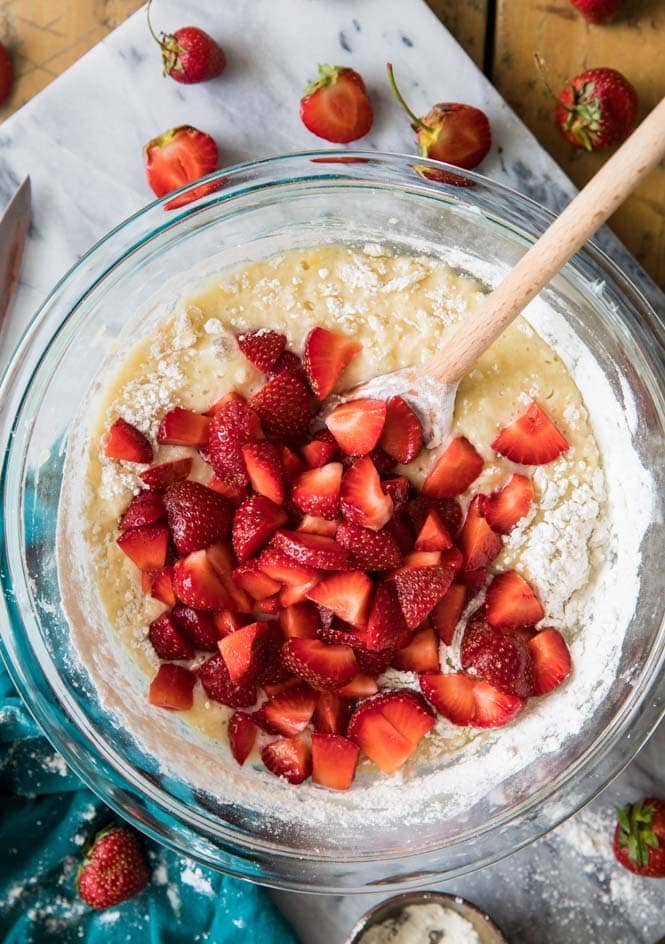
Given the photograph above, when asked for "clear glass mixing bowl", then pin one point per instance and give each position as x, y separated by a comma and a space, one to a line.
261, 209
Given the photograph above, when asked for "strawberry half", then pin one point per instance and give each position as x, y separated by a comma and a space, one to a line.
551, 659
503, 509
465, 700
197, 583
402, 436
419, 589
217, 684
347, 594
178, 157
326, 356
389, 726
183, 428
263, 461
233, 426
336, 106
197, 625
126, 442
357, 425
433, 536
478, 543
371, 550
286, 570
334, 761
447, 613
362, 499
421, 655
454, 471
386, 628
331, 714
533, 439
511, 602
316, 492
323, 667
160, 476
165, 639
290, 711
146, 546
312, 550
262, 347
290, 758
502, 659
254, 522
242, 735
197, 516
284, 406
172, 687
244, 652
145, 508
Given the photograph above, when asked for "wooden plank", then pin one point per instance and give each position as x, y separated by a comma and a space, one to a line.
634, 45
466, 20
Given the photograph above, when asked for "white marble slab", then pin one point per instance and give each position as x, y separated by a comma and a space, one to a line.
81, 142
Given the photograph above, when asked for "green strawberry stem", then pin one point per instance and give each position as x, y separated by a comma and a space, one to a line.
635, 832
150, 27
415, 120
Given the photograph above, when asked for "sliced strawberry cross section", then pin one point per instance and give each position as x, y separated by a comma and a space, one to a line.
126, 442
242, 735
455, 469
312, 550
503, 509
422, 653
172, 687
327, 355
402, 436
512, 603
334, 761
399, 489
323, 667
300, 619
331, 714
244, 652
261, 347
263, 461
254, 522
320, 450
290, 711
466, 700
254, 581
532, 439
362, 499
165, 639
433, 536
357, 425
161, 587
551, 658
183, 428
146, 546
389, 726
290, 758
347, 594
478, 543
316, 492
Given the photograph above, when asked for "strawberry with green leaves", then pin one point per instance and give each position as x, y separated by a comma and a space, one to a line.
113, 868
596, 109
639, 837
189, 54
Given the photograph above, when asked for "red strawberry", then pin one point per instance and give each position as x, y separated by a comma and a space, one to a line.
242, 735
323, 667
453, 558
254, 581
596, 109
334, 760
146, 546
465, 700
290, 711
373, 663
399, 489
639, 837
433, 536
172, 687
197, 516
402, 436
145, 508
189, 54
313, 525
284, 406
232, 493
113, 869
371, 550
478, 543
289, 362
253, 524
270, 606
126, 442
262, 347
422, 653
263, 461
533, 439
231, 428
161, 587
320, 450
197, 583
217, 684
401, 531
455, 469
331, 714
197, 625
360, 686
502, 659
336, 106
244, 652
597, 11
388, 727
422, 559
448, 510
285, 569
327, 355
494, 707
232, 396
316, 492
446, 614
177, 157
419, 589
503, 509
450, 132
387, 627
290, 758
183, 428
347, 594
274, 672
159, 476
292, 464
226, 622
167, 642
551, 659
362, 499
6, 75
313, 550
357, 425
511, 602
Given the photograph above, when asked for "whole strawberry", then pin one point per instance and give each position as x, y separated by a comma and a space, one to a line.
597, 11
114, 868
596, 109
6, 74
639, 837
450, 132
336, 106
189, 54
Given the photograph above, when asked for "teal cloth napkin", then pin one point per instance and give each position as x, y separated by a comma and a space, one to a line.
46, 816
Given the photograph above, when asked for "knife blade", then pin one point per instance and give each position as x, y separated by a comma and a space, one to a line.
14, 226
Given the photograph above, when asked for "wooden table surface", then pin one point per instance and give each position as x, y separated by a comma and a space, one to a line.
47, 36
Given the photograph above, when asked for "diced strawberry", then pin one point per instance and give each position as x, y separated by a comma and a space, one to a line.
217, 684
232, 493
285, 569
242, 735
383, 463
274, 672
244, 652
275, 688
473, 580
316, 492
331, 714
389, 726
373, 663
371, 550
313, 525
500, 658
146, 546
419, 589
551, 658
512, 603
402, 436
421, 559
161, 587
478, 543
448, 510
223, 563
422, 653
323, 667
183, 428
334, 760
362, 499
197, 625
229, 397
494, 708
197, 583
387, 627
290, 758
147, 578
226, 622
532, 439
357, 425
289, 362
159, 476
313, 550
347, 594
262, 347
320, 450
399, 489
289, 596
360, 686
254, 581
145, 508
300, 620
284, 406
172, 687
263, 461
254, 522
326, 356
290, 711
126, 442
270, 606
197, 516
503, 509
433, 536
452, 558
452, 694
165, 639
292, 464
401, 530
446, 614
231, 428
336, 632
455, 469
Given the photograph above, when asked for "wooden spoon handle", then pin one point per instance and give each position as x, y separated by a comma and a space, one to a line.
568, 233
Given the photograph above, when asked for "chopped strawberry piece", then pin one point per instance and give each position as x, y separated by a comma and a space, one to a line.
126, 442
165, 639
229, 397
145, 508
242, 735
231, 428
335, 632
222, 561
362, 499
334, 760
197, 583
197, 516
473, 580
452, 694
433, 536
399, 489
402, 436
290, 363
320, 450
292, 464
262, 347
300, 620
447, 613
197, 625
274, 672
360, 686
419, 589
159, 476
284, 406
313, 525
217, 684
389, 726
422, 653
455, 469
422, 559
512, 603
494, 708
503, 509
532, 439
551, 658
290, 711
501, 658
147, 578
373, 663
275, 688
172, 687
448, 510
331, 714
313, 550
387, 627
270, 606
326, 356
290, 758
244, 652
316, 492
478, 543
288, 596
264, 468
400, 529
254, 581
285, 569
323, 667
232, 493
347, 594
183, 428
254, 522
452, 558
146, 546
226, 622
383, 463
162, 586
357, 425
371, 550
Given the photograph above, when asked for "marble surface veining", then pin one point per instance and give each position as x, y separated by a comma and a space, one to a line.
81, 142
